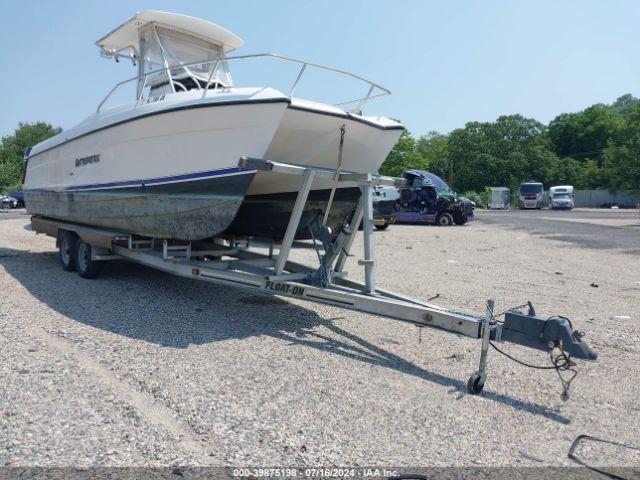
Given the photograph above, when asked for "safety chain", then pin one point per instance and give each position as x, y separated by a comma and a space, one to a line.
336, 177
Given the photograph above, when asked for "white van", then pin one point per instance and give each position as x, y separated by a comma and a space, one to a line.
561, 197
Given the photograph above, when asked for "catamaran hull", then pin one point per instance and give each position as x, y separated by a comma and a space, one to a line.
267, 216
186, 210
167, 174
309, 135
169, 169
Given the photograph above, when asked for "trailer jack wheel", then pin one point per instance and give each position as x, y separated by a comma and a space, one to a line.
475, 384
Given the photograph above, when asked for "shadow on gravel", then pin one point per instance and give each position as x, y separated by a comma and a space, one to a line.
174, 312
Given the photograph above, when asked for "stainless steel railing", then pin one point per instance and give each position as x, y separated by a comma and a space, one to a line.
359, 102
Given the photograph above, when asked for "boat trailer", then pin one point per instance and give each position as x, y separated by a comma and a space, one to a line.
235, 262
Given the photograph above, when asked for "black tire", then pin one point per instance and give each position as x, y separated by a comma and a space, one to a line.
475, 384
444, 220
6, 205
461, 219
383, 227
67, 250
86, 267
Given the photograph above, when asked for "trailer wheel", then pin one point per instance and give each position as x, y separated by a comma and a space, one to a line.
383, 227
444, 220
86, 267
67, 249
475, 384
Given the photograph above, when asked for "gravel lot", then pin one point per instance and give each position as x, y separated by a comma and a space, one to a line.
142, 368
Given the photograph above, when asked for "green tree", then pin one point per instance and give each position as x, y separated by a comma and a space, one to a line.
625, 105
585, 134
434, 149
622, 158
12, 149
403, 156
501, 153
600, 138
566, 171
598, 147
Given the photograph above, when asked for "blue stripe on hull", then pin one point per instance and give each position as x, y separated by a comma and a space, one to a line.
161, 180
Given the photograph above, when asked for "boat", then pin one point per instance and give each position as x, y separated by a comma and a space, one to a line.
164, 164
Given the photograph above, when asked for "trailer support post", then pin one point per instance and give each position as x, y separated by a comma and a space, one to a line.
294, 221
367, 228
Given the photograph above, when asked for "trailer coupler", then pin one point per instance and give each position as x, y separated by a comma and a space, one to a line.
553, 334
543, 333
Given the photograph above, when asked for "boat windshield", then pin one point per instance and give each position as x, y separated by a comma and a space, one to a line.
161, 47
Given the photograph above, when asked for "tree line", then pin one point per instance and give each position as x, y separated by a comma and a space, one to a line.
596, 148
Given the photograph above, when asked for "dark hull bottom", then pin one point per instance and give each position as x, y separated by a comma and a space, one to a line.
191, 210
267, 216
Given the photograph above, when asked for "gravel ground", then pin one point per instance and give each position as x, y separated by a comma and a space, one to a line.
143, 368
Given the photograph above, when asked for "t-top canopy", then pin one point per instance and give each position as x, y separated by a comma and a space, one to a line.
127, 34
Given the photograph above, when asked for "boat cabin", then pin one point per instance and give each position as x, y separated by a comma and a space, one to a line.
173, 52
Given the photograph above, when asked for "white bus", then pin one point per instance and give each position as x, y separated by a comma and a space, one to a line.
530, 195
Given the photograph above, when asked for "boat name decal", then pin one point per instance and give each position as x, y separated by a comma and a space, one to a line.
87, 160
284, 288
155, 98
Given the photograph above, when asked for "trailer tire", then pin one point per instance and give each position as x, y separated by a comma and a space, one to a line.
86, 267
67, 249
444, 220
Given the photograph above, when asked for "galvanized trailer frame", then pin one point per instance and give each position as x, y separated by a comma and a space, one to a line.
235, 262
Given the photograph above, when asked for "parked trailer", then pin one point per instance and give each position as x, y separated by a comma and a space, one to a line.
499, 198
235, 262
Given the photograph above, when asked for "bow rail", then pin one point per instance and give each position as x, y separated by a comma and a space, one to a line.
374, 90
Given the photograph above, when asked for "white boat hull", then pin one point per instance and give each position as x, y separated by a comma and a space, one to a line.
309, 135
168, 169
162, 172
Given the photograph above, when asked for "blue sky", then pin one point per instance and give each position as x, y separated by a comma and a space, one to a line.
446, 62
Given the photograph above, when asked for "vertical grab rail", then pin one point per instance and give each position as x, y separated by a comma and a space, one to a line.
213, 72
364, 100
144, 84
295, 84
164, 58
